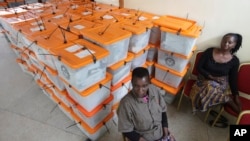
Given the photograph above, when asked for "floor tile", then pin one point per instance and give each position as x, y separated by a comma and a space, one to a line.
17, 127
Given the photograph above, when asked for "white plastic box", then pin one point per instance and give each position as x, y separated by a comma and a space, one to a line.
178, 35
53, 77
47, 91
42, 54
140, 30
41, 75
52, 38
25, 57
151, 68
181, 43
120, 69
112, 38
152, 53
16, 49
173, 61
169, 93
121, 89
140, 58
61, 95
23, 65
168, 76
139, 41
93, 96
97, 115
98, 131
65, 109
33, 59
82, 64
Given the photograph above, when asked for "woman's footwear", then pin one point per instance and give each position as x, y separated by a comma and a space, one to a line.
221, 118
218, 124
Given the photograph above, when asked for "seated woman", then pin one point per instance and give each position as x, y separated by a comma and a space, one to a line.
142, 112
217, 80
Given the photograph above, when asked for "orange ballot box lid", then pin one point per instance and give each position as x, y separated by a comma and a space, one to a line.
52, 38
77, 27
135, 25
36, 25
106, 35
174, 23
80, 53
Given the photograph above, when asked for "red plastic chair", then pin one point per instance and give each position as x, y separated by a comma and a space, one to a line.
243, 119
189, 83
244, 89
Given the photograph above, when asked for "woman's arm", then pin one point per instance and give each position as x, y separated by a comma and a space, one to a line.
202, 63
233, 77
233, 83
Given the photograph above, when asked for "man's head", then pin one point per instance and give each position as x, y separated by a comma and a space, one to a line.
140, 81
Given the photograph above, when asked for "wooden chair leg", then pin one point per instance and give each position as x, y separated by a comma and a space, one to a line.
218, 116
179, 103
124, 138
207, 114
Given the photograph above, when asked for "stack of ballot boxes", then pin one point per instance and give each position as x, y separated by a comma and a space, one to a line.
178, 38
82, 69
81, 54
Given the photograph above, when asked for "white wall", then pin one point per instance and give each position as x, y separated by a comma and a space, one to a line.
219, 16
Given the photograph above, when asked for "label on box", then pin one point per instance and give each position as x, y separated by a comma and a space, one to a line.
84, 53
108, 17
125, 14
74, 6
38, 11
79, 26
87, 13
141, 18
36, 23
155, 17
58, 16
37, 28
73, 48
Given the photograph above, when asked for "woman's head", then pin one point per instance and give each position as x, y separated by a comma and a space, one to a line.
140, 81
233, 41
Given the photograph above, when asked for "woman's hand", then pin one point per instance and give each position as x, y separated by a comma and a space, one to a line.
238, 103
217, 79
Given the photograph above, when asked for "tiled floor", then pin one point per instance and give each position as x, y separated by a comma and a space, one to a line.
26, 113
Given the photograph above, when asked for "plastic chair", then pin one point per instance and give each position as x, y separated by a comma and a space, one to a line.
244, 89
243, 119
189, 83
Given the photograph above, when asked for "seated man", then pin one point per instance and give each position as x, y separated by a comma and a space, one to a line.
142, 112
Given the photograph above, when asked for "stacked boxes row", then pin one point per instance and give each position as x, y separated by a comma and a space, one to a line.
82, 55
177, 44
